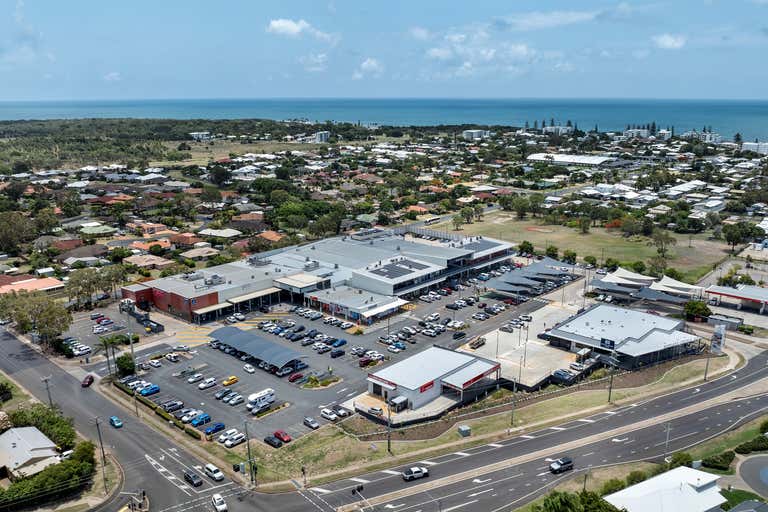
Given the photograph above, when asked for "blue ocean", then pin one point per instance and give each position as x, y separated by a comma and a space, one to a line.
727, 117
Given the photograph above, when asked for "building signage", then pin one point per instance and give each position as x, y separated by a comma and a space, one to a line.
426, 387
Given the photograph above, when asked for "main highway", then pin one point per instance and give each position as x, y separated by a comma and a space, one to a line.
498, 476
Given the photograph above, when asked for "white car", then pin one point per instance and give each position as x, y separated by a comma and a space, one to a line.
207, 383
227, 434
415, 473
393, 349
329, 415
235, 440
219, 505
155, 363
249, 368
195, 378
191, 415
433, 317
239, 316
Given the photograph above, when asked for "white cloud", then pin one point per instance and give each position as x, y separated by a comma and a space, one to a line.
113, 76
669, 41
314, 62
369, 67
420, 33
297, 28
539, 20
439, 53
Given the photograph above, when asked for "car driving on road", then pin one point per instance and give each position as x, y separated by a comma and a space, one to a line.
562, 464
415, 473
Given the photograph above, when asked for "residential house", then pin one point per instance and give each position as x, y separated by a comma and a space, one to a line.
149, 261
24, 452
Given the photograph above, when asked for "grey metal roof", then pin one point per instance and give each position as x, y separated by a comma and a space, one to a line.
429, 365
655, 295
611, 287
753, 293
256, 346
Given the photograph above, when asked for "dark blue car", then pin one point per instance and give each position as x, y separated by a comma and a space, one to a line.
339, 343
216, 427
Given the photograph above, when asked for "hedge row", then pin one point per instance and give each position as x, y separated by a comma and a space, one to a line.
721, 461
193, 433
758, 444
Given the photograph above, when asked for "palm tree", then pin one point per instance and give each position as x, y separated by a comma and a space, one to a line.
106, 343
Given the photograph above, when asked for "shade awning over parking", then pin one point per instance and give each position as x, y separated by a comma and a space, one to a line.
384, 308
256, 346
209, 309
254, 295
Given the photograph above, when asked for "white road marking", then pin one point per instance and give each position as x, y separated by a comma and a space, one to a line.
341, 391
526, 436
478, 493
360, 480
611, 412
168, 475
496, 445
462, 454
557, 428
428, 462
390, 472
480, 481
320, 490
449, 509
543, 473
617, 440
390, 506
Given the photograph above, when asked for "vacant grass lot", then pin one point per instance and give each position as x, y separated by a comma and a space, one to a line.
203, 153
693, 256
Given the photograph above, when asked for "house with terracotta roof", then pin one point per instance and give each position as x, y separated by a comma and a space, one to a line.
185, 239
144, 246
45, 284
271, 236
149, 261
146, 228
418, 209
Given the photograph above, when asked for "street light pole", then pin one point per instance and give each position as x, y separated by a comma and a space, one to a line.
389, 429
248, 446
103, 456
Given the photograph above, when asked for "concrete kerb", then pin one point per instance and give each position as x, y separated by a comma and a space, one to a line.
475, 473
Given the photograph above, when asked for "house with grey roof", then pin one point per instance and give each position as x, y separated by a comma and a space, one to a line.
25, 451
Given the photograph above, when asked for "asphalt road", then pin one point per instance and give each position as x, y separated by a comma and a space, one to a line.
153, 463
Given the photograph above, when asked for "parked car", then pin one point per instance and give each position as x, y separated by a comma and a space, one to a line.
328, 414
337, 352
150, 390
311, 423
154, 363
247, 368
560, 465
477, 343
232, 379
201, 420
285, 370
207, 383
227, 434
173, 405
273, 441
340, 411
295, 376
415, 473
216, 427
282, 435
236, 400
235, 440
191, 414
195, 378
458, 335
87, 381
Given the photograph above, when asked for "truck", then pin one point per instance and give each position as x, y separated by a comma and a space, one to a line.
260, 399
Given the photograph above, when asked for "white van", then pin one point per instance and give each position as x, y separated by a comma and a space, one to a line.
260, 399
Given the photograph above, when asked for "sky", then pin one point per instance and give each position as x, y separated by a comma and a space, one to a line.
96, 50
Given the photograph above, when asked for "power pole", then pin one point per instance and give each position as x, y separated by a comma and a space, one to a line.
389, 429
103, 456
666, 444
610, 383
48, 389
706, 368
248, 446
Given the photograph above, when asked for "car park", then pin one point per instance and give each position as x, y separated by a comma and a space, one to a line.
560, 465
415, 473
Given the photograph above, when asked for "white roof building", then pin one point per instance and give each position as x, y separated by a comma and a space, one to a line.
680, 489
25, 451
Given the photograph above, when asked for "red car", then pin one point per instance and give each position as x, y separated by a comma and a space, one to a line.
482, 305
295, 376
87, 381
282, 435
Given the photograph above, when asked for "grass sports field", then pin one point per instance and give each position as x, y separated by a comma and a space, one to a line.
693, 256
